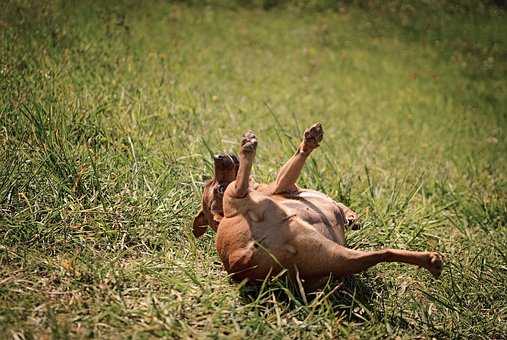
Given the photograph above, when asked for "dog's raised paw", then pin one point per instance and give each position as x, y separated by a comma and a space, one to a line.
313, 135
248, 142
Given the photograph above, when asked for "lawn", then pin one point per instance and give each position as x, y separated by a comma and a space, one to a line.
109, 115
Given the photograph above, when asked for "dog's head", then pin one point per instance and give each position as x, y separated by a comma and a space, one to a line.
226, 169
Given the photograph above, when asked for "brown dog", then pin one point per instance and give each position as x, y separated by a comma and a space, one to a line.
262, 229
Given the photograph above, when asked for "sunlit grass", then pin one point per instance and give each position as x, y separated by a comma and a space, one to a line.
109, 113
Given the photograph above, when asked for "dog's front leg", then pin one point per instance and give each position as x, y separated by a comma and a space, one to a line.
246, 159
289, 173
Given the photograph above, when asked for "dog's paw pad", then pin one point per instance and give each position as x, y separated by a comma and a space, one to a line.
436, 264
313, 135
249, 142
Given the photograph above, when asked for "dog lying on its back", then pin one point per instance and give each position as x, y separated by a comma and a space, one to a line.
262, 229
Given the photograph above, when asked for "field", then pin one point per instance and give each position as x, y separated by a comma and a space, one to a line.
109, 115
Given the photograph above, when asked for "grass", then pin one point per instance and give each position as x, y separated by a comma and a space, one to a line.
109, 113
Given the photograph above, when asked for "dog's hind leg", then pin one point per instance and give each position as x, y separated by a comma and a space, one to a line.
318, 256
343, 261
356, 261
347, 261
289, 173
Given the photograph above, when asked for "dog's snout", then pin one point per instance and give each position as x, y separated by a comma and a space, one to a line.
224, 161
220, 160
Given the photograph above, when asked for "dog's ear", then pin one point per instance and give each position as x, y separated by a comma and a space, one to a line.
200, 224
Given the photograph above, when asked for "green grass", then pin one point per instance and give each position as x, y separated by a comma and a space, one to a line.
108, 116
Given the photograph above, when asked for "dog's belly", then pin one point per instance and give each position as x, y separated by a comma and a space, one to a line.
266, 225
319, 211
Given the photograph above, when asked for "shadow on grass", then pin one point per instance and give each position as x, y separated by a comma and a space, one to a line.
357, 298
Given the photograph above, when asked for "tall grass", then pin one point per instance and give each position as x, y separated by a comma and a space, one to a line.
109, 113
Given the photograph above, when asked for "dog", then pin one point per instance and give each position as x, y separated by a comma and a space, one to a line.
264, 229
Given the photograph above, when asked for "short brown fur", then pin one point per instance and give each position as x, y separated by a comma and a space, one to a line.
262, 229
